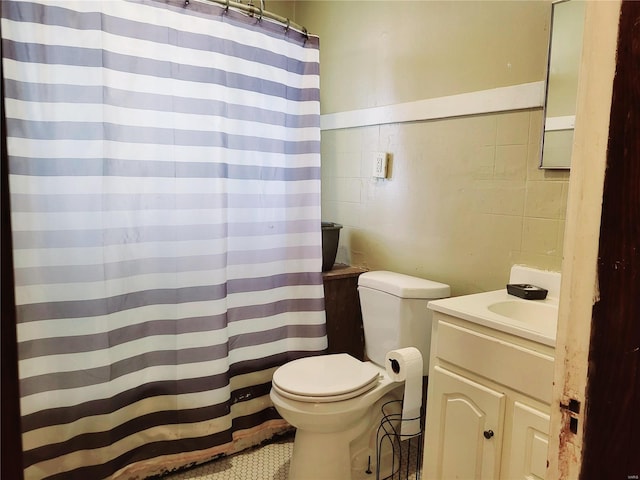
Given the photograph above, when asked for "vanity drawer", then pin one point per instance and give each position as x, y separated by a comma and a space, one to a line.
514, 366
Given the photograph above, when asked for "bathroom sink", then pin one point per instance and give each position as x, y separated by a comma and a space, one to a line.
534, 320
528, 311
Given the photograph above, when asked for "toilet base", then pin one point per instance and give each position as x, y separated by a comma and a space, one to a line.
329, 457
320, 456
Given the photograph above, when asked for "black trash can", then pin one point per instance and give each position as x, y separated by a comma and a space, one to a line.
330, 238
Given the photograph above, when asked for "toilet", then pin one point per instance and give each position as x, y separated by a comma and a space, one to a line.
335, 401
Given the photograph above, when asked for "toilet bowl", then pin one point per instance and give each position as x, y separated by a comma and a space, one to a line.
336, 399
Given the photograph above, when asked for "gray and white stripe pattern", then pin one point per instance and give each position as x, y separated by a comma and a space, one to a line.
164, 166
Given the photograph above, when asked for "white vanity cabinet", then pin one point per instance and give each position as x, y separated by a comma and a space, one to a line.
488, 403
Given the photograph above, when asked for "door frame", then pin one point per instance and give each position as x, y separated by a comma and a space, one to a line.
595, 425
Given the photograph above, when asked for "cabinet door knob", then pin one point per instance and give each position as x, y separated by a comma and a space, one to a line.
488, 434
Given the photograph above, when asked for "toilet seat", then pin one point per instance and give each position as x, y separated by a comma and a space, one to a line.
325, 399
326, 378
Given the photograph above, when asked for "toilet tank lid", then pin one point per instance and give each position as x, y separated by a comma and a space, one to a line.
404, 286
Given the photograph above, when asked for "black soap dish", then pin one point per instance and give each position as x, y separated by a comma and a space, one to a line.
526, 291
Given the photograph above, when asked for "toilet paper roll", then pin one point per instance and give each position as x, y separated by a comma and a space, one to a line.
405, 365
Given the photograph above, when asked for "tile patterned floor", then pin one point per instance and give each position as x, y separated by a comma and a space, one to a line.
268, 462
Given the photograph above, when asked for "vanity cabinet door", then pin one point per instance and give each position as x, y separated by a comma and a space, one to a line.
527, 453
464, 428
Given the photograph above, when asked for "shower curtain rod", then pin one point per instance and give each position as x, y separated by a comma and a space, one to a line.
261, 13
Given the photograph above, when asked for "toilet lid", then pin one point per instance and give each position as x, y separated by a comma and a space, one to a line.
328, 398
329, 377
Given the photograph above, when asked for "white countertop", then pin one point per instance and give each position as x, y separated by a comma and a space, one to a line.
475, 308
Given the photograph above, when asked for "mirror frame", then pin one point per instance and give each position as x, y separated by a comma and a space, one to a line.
565, 123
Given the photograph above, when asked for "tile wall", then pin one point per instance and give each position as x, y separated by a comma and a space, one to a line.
464, 200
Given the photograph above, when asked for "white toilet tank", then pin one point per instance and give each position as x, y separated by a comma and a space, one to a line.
395, 314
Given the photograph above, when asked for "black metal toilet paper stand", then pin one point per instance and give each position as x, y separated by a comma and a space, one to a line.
401, 446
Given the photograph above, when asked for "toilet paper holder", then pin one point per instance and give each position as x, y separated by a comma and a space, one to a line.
403, 447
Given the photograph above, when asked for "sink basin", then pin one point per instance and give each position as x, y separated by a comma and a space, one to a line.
531, 319
526, 311
534, 320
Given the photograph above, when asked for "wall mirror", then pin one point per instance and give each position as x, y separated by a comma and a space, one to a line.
565, 48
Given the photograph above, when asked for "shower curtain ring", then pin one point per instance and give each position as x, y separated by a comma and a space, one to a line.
260, 17
186, 3
226, 9
286, 29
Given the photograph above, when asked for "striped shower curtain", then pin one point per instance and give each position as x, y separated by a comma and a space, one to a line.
164, 169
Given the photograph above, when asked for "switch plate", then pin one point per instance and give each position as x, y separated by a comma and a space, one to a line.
380, 165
